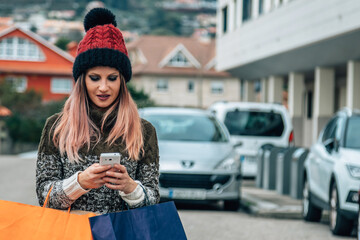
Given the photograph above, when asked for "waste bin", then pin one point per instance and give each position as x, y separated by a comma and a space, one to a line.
283, 166
263, 150
269, 172
297, 173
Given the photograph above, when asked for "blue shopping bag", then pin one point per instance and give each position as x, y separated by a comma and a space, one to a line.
155, 222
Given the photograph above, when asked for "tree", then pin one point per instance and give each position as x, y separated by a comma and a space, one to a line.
28, 113
62, 42
140, 97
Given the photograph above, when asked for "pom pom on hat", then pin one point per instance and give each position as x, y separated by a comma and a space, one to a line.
102, 45
98, 16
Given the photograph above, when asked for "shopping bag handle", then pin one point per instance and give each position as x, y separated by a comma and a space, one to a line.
147, 201
47, 199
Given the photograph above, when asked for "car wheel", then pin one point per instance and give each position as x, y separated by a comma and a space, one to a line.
231, 205
339, 225
310, 212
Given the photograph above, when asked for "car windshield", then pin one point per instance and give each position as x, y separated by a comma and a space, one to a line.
178, 127
254, 123
352, 139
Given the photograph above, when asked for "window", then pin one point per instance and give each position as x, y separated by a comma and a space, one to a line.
179, 60
19, 83
187, 127
15, 48
162, 85
329, 130
61, 85
352, 139
254, 123
224, 15
309, 104
217, 87
191, 86
261, 7
246, 10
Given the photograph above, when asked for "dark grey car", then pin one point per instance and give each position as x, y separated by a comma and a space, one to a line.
197, 159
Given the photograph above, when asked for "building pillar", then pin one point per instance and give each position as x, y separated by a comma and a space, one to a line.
323, 99
255, 9
231, 17
238, 13
249, 92
353, 85
264, 90
267, 6
296, 88
275, 89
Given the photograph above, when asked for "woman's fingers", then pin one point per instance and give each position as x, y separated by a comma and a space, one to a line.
97, 168
120, 167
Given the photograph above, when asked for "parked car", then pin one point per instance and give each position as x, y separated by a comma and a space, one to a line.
254, 125
332, 173
197, 159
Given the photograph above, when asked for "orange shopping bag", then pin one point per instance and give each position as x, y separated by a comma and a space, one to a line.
22, 221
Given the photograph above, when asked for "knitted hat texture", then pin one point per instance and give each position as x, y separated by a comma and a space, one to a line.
103, 45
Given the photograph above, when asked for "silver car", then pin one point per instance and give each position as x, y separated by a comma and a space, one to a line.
198, 161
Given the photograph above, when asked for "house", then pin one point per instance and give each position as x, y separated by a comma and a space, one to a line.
30, 62
179, 71
308, 48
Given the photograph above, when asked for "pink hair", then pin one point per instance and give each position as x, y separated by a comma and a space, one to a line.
74, 128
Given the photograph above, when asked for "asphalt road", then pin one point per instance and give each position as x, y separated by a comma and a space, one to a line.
17, 183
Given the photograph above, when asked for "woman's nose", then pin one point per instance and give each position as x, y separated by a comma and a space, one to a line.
103, 85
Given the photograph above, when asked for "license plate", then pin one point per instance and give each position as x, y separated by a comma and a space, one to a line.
187, 194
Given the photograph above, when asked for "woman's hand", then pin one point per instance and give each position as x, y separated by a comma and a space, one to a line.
92, 177
118, 178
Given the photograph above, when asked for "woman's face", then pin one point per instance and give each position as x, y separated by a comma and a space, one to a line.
103, 85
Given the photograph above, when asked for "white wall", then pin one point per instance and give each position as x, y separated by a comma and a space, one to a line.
292, 25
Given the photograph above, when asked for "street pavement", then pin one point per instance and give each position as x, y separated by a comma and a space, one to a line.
17, 179
268, 203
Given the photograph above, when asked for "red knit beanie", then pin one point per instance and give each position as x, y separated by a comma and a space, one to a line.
103, 45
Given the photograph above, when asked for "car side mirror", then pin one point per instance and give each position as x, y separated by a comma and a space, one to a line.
329, 144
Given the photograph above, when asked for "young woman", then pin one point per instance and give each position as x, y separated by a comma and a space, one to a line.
99, 117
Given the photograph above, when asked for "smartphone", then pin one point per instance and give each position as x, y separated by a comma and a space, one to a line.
109, 158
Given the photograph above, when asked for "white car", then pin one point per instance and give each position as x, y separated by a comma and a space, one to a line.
332, 173
253, 125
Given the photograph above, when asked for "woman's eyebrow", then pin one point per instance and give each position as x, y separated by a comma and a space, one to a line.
92, 73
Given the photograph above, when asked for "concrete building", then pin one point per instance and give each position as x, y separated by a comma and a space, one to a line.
308, 48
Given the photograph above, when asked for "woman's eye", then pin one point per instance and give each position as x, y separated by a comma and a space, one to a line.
112, 78
94, 78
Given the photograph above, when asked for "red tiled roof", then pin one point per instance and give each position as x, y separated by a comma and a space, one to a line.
156, 48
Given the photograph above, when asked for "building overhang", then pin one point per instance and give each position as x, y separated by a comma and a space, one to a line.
326, 53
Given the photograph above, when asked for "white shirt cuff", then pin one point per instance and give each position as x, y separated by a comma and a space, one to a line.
72, 187
135, 197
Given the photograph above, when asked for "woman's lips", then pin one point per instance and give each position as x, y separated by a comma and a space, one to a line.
103, 97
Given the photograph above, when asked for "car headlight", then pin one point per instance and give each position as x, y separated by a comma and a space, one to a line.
231, 163
354, 171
